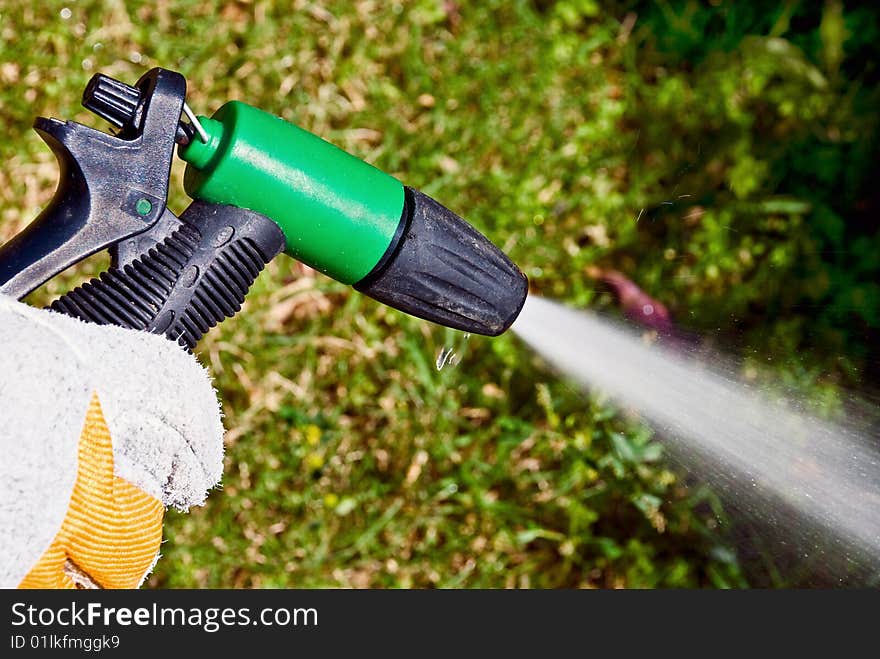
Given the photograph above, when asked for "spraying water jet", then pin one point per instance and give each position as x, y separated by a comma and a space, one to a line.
742, 443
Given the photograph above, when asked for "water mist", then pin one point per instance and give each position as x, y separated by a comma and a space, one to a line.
817, 478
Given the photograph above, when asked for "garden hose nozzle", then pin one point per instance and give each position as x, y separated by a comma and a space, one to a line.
260, 186
353, 222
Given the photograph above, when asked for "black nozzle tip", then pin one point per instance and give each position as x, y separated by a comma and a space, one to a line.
445, 271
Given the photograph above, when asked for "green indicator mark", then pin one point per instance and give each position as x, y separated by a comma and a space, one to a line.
143, 207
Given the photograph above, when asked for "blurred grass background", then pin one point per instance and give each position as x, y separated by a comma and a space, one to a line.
720, 154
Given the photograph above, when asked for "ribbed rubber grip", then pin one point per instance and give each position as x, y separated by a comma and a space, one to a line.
195, 278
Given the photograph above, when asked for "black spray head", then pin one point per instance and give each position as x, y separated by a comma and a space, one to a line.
443, 270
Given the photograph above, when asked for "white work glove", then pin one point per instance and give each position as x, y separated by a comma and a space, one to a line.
101, 428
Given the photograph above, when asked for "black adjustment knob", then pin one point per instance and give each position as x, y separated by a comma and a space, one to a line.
112, 100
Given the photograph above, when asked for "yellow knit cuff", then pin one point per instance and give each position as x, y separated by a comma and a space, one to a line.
111, 534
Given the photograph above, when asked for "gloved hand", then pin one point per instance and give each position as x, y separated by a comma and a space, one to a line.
101, 428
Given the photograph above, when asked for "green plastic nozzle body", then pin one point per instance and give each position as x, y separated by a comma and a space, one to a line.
338, 213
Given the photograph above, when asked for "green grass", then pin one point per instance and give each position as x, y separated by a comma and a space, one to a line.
350, 459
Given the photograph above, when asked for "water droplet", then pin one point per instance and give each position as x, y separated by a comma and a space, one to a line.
66, 13
444, 357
